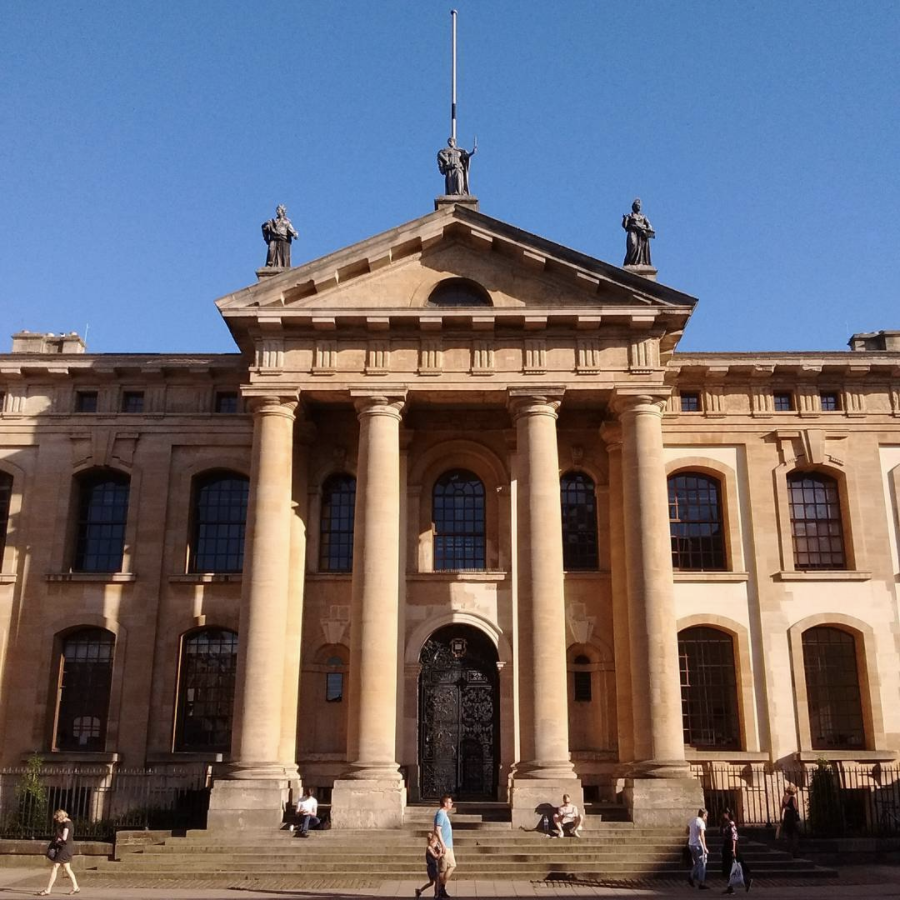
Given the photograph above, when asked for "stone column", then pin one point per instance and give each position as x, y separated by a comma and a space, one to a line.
254, 792
372, 794
661, 790
545, 771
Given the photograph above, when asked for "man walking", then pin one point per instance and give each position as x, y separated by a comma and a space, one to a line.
699, 850
444, 831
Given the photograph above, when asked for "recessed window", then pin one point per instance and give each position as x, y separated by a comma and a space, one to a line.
6, 483
102, 516
816, 522
336, 524
226, 402
458, 516
459, 292
830, 400
581, 680
133, 402
690, 401
579, 522
334, 681
86, 401
695, 523
220, 515
784, 401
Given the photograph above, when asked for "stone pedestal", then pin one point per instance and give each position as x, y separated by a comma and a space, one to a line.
663, 802
246, 803
269, 271
648, 272
531, 798
456, 200
368, 803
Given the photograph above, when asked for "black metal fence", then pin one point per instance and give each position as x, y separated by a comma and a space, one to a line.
834, 799
101, 800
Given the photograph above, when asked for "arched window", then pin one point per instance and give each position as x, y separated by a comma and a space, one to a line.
102, 515
220, 515
458, 516
336, 524
6, 483
581, 679
816, 525
695, 523
334, 679
459, 292
206, 691
579, 522
709, 705
85, 677
832, 689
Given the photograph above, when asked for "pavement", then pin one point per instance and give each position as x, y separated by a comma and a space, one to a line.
854, 883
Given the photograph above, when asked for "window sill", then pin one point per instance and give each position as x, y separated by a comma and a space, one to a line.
9, 578
68, 757
101, 577
187, 756
585, 574
696, 756
329, 576
824, 575
846, 755
466, 575
207, 578
682, 575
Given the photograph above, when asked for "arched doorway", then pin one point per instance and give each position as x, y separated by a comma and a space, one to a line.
459, 715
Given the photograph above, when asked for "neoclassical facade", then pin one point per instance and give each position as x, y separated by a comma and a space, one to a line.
457, 516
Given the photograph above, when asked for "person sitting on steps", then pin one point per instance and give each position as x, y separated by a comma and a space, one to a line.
308, 812
567, 814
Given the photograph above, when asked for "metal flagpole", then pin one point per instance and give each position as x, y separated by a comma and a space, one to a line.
453, 78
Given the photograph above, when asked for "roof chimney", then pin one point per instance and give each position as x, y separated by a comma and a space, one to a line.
36, 342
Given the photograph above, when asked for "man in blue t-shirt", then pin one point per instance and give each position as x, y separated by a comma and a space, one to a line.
444, 831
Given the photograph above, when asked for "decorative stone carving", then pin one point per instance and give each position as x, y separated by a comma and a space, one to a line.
581, 625
588, 356
378, 358
535, 357
325, 362
482, 358
644, 355
431, 356
270, 353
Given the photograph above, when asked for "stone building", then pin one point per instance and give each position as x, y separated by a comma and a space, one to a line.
457, 516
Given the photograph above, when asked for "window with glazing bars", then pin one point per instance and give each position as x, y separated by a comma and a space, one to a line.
334, 680
220, 516
579, 522
336, 524
695, 523
832, 689
458, 516
102, 515
85, 678
6, 483
581, 680
816, 525
206, 691
709, 706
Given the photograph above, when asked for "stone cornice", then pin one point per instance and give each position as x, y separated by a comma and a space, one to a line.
116, 365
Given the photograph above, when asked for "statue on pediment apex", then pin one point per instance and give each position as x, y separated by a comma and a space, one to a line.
453, 163
278, 234
639, 232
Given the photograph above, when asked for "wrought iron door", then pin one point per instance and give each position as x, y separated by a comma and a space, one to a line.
459, 715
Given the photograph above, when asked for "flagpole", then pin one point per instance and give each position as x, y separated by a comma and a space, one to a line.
453, 77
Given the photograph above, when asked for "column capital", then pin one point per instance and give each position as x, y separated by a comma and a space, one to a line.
650, 398
611, 435
535, 401
379, 403
271, 403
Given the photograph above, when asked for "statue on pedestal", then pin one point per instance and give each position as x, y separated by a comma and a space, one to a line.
278, 234
639, 232
454, 165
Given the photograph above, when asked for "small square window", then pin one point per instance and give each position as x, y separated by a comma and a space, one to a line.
830, 400
133, 402
226, 402
784, 401
690, 401
86, 401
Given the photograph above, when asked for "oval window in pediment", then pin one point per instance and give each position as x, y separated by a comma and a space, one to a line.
459, 292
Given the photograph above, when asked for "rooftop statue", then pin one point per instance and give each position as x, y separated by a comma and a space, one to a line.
278, 234
639, 232
454, 165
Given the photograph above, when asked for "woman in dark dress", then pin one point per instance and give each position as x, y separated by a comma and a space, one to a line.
730, 852
64, 839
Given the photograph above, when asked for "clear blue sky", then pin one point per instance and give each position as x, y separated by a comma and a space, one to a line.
144, 143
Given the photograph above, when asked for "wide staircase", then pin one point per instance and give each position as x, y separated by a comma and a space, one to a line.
611, 850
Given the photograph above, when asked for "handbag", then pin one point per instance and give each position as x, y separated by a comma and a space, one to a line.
736, 878
52, 851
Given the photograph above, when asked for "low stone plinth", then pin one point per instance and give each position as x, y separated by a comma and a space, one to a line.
662, 802
245, 803
532, 798
368, 803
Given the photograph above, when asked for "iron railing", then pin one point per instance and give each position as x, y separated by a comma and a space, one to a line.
101, 800
834, 799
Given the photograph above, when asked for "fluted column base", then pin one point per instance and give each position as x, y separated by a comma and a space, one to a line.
662, 802
367, 803
534, 795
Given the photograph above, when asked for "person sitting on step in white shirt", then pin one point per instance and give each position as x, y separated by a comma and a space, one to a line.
567, 814
308, 812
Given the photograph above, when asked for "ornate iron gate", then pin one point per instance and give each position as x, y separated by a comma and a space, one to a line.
459, 715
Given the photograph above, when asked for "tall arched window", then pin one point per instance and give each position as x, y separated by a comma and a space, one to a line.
336, 524
85, 677
816, 525
832, 689
102, 516
219, 520
6, 483
579, 522
206, 691
709, 705
695, 522
458, 516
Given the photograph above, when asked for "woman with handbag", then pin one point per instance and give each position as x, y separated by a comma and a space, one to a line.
61, 851
734, 869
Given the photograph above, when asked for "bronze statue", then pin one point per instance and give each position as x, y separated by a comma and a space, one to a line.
637, 241
454, 165
278, 234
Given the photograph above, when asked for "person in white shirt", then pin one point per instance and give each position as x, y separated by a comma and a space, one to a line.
567, 814
699, 850
308, 812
